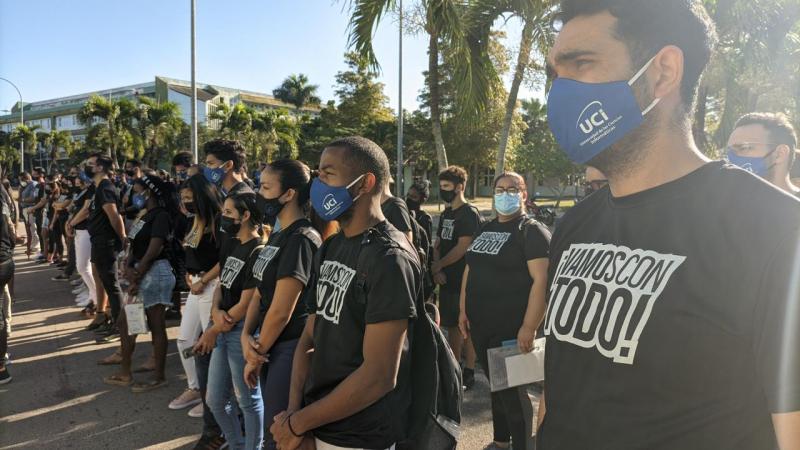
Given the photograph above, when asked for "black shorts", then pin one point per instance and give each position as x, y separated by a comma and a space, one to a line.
104, 251
449, 307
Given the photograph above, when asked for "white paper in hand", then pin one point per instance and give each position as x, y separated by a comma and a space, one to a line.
134, 314
526, 368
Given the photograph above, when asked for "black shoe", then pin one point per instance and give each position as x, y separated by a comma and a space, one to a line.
61, 277
211, 442
469, 378
103, 329
5, 377
111, 336
171, 314
98, 322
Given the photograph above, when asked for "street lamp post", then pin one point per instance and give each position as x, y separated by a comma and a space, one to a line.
399, 180
22, 123
194, 84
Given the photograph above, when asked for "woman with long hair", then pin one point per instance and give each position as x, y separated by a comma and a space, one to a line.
203, 203
241, 221
280, 275
150, 277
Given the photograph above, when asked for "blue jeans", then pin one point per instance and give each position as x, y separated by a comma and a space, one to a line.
226, 378
276, 377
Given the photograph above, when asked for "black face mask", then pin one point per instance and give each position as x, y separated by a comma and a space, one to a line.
130, 173
89, 171
229, 225
413, 205
190, 208
269, 207
448, 196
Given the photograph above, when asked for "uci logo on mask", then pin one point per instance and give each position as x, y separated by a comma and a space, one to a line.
591, 117
330, 203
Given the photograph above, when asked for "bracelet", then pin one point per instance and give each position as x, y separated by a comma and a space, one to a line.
289, 422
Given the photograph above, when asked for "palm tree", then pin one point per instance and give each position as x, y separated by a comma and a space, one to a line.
116, 116
443, 23
27, 134
296, 91
57, 139
536, 16
157, 127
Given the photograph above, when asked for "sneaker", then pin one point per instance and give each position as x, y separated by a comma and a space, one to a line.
469, 378
196, 411
76, 282
83, 301
5, 376
111, 336
211, 442
172, 315
98, 322
189, 397
79, 289
103, 328
494, 446
61, 277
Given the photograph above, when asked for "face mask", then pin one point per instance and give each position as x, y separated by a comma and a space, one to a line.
139, 201
587, 118
229, 225
181, 176
23, 183
268, 207
190, 208
507, 204
214, 176
448, 196
88, 173
130, 173
413, 205
331, 202
757, 166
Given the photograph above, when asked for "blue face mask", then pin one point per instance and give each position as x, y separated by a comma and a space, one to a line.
331, 202
139, 201
86, 178
587, 118
214, 176
507, 204
757, 166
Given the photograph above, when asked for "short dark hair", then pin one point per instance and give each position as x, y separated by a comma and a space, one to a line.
454, 174
226, 150
39, 169
134, 163
780, 129
423, 187
647, 26
182, 159
104, 161
293, 174
364, 156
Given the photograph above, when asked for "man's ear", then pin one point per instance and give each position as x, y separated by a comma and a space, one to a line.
245, 216
782, 155
667, 70
368, 184
288, 196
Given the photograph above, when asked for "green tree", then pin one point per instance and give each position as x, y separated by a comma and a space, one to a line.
9, 154
57, 139
296, 91
157, 128
28, 135
116, 119
362, 101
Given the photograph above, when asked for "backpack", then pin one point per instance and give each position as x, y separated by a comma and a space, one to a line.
435, 410
422, 244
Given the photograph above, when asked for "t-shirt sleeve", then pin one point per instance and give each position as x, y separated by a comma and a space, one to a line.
297, 258
160, 226
397, 214
310, 293
776, 335
469, 224
106, 194
537, 241
391, 289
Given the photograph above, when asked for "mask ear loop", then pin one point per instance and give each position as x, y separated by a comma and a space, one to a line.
636, 77
354, 182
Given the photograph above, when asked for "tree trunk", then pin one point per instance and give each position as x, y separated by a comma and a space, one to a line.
433, 87
511, 106
699, 125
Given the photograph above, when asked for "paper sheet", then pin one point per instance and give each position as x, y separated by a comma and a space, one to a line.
525, 369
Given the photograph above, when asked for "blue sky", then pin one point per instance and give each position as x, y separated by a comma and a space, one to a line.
54, 48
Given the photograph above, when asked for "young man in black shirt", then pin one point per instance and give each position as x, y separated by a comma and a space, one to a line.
416, 196
224, 161
107, 233
396, 212
765, 144
672, 318
354, 392
457, 227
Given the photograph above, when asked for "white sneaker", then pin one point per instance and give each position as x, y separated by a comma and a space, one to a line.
189, 397
83, 300
77, 282
197, 411
80, 289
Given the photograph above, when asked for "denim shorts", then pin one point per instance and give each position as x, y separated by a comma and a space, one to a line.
156, 286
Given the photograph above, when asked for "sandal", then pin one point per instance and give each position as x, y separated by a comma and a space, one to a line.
118, 380
111, 360
149, 366
139, 388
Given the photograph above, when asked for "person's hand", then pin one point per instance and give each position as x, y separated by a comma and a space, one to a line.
206, 343
197, 288
252, 351
439, 278
525, 338
222, 320
133, 289
284, 438
251, 372
463, 324
436, 267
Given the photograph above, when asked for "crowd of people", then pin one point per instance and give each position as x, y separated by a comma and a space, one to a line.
668, 296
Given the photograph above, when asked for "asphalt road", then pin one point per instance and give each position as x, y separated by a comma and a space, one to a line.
58, 400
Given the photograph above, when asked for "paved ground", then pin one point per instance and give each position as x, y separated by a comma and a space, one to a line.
57, 398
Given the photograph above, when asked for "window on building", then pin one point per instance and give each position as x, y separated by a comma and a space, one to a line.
486, 177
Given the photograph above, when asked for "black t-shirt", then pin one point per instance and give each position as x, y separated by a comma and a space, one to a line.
455, 224
84, 196
288, 253
667, 317
153, 224
499, 281
203, 255
237, 261
6, 233
99, 226
344, 304
425, 221
396, 212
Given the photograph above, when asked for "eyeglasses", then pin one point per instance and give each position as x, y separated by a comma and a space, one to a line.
511, 190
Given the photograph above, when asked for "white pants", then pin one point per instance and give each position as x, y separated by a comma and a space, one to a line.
31, 221
196, 317
321, 445
83, 263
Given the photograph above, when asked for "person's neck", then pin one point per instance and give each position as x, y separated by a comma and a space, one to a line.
458, 202
364, 218
503, 219
98, 180
246, 234
669, 156
784, 182
290, 214
231, 180
386, 196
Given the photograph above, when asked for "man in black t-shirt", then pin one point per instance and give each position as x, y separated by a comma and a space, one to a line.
396, 212
357, 385
224, 161
672, 318
457, 227
107, 233
765, 144
416, 196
